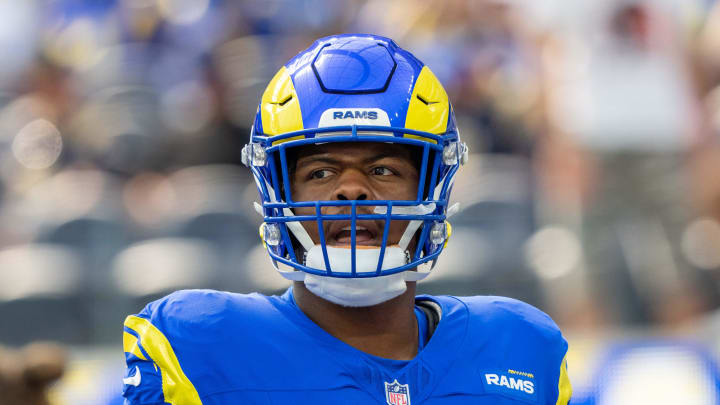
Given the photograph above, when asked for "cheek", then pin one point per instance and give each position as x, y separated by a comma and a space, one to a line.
405, 190
310, 226
411, 191
296, 193
299, 190
310, 192
397, 228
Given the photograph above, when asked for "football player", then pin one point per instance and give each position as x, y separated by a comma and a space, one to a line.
354, 150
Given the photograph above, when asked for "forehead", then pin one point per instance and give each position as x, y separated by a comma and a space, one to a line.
354, 150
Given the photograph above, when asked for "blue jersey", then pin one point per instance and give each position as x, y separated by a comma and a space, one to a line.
209, 347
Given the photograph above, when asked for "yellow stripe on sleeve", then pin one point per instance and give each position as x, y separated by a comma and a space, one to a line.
177, 388
564, 387
130, 345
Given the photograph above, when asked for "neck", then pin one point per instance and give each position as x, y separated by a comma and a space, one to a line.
387, 330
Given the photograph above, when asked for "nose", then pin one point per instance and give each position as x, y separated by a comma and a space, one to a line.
352, 185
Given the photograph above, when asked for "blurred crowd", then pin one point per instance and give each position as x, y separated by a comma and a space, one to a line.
592, 190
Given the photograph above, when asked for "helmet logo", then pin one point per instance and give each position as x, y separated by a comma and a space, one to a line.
371, 115
354, 116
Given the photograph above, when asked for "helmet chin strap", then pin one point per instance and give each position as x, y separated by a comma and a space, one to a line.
422, 209
298, 231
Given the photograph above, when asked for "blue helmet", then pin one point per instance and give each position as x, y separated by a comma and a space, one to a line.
354, 88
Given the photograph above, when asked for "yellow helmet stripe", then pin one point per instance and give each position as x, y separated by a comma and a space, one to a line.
429, 107
280, 107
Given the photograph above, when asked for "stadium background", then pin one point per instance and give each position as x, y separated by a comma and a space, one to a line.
592, 192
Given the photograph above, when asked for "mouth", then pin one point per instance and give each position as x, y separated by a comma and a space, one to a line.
364, 236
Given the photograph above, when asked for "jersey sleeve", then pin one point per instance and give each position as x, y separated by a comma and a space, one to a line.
548, 340
555, 347
142, 384
551, 342
539, 348
153, 375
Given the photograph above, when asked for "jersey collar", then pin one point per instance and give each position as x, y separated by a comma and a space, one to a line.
421, 373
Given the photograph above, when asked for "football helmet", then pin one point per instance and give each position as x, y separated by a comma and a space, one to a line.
354, 88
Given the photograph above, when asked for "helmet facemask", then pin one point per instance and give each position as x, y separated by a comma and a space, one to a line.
289, 243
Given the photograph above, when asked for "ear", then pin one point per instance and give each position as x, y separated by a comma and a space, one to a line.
44, 363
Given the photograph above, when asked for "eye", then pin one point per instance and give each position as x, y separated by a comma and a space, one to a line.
382, 171
320, 174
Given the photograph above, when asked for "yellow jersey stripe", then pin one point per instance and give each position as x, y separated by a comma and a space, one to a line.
130, 345
564, 387
177, 388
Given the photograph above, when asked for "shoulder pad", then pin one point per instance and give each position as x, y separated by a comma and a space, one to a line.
512, 315
161, 342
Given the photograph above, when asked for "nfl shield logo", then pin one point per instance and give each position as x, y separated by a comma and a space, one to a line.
397, 394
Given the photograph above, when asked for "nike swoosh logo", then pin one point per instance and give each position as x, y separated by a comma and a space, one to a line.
134, 380
426, 102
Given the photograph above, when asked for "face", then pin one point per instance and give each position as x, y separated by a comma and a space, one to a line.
354, 171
